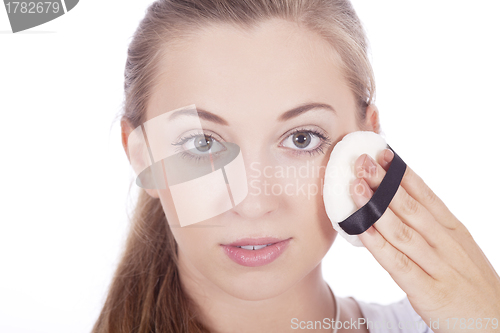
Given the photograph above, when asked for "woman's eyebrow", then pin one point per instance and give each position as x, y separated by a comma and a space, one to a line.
304, 108
200, 113
209, 116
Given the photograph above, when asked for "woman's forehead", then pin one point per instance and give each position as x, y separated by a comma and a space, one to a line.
274, 67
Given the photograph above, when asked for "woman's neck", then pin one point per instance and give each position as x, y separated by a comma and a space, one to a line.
308, 300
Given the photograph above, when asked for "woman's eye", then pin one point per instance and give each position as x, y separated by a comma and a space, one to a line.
302, 140
199, 146
202, 143
307, 142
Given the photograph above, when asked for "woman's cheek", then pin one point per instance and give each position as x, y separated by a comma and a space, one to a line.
168, 207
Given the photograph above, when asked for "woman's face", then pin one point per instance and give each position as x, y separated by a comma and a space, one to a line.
250, 79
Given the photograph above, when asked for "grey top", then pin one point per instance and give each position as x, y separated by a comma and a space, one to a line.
398, 317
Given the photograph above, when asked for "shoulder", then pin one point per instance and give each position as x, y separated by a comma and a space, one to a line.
397, 317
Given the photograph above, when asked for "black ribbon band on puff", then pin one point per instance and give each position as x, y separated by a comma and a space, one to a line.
362, 219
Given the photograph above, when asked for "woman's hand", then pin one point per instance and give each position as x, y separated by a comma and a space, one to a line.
429, 253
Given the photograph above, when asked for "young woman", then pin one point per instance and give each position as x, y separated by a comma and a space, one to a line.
285, 80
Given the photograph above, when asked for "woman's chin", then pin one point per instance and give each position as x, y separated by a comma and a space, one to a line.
255, 289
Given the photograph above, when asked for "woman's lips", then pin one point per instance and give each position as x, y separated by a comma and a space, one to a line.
241, 253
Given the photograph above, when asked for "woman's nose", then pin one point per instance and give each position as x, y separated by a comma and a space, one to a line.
262, 198
256, 206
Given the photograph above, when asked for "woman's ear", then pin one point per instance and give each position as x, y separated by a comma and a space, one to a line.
126, 129
372, 120
138, 161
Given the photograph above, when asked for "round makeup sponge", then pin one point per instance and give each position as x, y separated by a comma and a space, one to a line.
340, 173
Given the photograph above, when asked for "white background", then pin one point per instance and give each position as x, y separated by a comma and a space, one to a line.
65, 176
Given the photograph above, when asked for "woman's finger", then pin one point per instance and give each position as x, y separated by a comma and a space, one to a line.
406, 273
401, 236
403, 205
418, 189
455, 228
456, 246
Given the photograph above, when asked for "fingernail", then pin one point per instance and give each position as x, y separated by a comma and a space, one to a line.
363, 189
388, 155
367, 193
369, 165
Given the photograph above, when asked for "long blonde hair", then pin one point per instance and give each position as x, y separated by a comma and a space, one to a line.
146, 294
